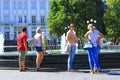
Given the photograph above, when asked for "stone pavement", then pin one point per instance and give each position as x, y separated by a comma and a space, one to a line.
12, 73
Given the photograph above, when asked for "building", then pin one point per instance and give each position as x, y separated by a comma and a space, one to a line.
15, 14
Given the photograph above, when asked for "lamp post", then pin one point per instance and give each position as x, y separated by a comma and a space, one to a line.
91, 21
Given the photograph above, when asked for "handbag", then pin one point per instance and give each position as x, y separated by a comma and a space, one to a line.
88, 46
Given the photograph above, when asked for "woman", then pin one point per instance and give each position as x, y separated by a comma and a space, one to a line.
38, 46
93, 37
71, 41
44, 42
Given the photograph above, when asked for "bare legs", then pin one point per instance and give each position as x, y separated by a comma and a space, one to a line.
39, 59
22, 65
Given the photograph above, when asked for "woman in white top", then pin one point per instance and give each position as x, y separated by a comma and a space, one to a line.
38, 46
93, 37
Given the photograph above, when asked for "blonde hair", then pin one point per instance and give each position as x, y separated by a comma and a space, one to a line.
90, 26
38, 30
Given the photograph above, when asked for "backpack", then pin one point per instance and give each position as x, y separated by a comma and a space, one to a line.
33, 41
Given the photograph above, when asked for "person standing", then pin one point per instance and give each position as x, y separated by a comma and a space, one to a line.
39, 48
93, 37
44, 42
71, 41
22, 48
99, 45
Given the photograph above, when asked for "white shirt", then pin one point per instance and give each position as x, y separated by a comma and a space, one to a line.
93, 35
37, 38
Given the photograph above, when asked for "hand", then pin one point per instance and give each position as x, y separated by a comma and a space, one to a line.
26, 51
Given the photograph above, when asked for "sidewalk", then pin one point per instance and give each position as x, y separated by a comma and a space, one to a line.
57, 74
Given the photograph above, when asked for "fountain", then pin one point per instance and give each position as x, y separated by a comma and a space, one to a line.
63, 43
59, 57
1, 43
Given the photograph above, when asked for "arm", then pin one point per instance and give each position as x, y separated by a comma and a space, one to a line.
100, 35
86, 36
67, 36
25, 43
41, 40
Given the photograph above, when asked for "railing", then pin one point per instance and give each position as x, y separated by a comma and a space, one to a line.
51, 45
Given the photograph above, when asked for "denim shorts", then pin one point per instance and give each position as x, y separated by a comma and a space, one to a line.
38, 49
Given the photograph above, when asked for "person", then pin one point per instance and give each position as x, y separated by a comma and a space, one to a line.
22, 48
44, 42
93, 37
71, 41
99, 45
38, 46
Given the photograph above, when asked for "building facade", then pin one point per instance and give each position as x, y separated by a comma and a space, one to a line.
15, 14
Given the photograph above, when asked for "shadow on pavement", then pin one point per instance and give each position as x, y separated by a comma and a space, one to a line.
111, 72
47, 70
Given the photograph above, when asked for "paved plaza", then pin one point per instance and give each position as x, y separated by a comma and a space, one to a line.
57, 74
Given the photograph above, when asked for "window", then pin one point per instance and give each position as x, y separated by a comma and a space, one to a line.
42, 20
20, 19
33, 33
14, 4
6, 5
42, 5
25, 18
33, 5
15, 19
6, 19
7, 33
19, 5
25, 5
33, 19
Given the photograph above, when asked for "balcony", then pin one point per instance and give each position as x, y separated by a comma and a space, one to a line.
20, 24
23, 24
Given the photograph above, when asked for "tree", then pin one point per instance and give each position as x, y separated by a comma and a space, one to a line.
64, 12
112, 19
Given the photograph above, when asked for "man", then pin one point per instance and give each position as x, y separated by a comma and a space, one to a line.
22, 48
71, 40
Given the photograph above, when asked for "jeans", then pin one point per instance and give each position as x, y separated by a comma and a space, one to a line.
98, 50
93, 58
71, 56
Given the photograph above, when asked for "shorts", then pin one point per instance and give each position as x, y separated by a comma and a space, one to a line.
38, 49
22, 55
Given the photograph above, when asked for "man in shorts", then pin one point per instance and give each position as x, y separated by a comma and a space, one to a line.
22, 48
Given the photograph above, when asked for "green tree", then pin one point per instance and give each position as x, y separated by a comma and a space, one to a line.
112, 19
64, 12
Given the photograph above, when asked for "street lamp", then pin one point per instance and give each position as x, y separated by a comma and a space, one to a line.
92, 21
